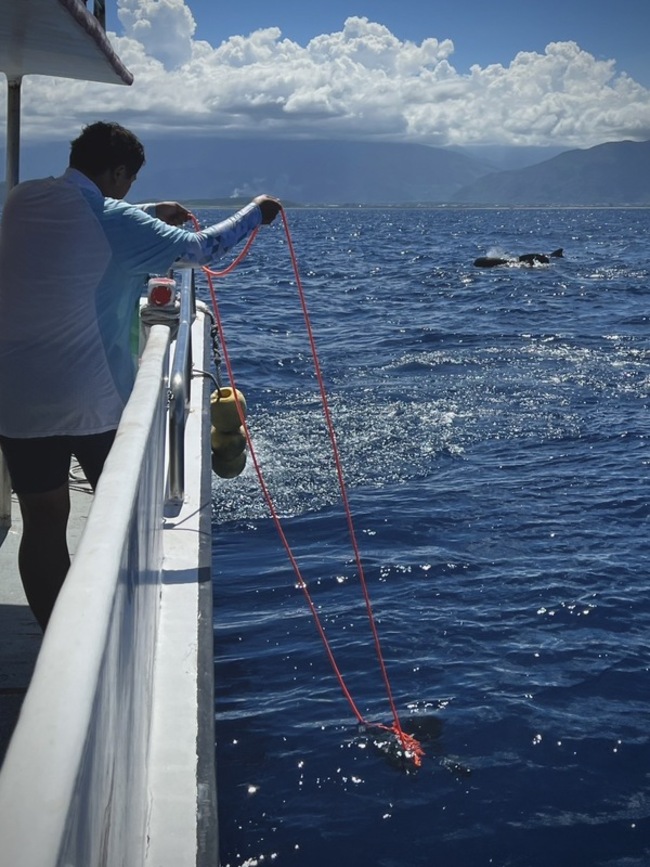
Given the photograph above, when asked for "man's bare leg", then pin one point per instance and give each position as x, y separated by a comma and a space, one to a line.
43, 558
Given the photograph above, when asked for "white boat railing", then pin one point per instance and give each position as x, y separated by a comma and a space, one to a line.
73, 784
82, 781
180, 383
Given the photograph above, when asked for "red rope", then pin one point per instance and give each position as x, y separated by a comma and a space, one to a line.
410, 746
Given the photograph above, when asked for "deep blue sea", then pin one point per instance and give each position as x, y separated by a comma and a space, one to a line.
495, 438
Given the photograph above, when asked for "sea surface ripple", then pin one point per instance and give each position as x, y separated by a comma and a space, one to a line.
494, 437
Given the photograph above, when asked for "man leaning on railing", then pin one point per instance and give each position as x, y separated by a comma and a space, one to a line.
66, 369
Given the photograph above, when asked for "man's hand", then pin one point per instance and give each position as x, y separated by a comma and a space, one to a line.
172, 213
269, 207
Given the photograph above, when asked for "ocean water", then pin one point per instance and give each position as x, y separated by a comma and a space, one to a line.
494, 435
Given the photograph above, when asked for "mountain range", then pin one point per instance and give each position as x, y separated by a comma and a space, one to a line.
376, 173
309, 172
616, 173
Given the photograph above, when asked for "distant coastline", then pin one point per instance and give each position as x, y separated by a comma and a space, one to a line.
309, 174
238, 202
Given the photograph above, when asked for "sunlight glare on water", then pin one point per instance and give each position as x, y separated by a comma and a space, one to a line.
493, 432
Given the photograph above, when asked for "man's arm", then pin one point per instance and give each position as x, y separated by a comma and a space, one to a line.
172, 213
175, 214
214, 241
201, 247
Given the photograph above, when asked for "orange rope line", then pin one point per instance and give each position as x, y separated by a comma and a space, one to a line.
410, 745
240, 258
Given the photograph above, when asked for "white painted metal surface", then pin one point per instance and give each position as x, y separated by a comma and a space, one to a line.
56, 37
108, 764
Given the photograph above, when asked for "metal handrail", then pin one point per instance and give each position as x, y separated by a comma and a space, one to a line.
180, 383
99, 11
11, 177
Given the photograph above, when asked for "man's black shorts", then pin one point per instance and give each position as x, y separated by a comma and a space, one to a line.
42, 464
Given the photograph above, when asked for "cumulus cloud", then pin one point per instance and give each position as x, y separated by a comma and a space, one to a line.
164, 28
360, 82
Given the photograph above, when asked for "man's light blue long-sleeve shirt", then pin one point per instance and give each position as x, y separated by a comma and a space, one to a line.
72, 266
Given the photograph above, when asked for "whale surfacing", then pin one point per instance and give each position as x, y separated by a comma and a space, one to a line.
525, 259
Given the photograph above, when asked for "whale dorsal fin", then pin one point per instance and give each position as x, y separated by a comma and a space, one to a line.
559, 253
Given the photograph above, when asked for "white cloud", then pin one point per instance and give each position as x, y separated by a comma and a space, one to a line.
163, 27
359, 82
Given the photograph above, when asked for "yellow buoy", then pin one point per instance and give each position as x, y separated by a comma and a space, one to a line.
227, 433
228, 445
228, 469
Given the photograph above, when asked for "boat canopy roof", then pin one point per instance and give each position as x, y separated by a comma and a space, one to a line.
59, 38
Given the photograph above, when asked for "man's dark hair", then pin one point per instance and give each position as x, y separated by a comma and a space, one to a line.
104, 146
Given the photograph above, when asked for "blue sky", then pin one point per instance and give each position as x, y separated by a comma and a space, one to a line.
482, 33
564, 74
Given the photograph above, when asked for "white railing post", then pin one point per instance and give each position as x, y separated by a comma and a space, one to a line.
180, 383
12, 168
